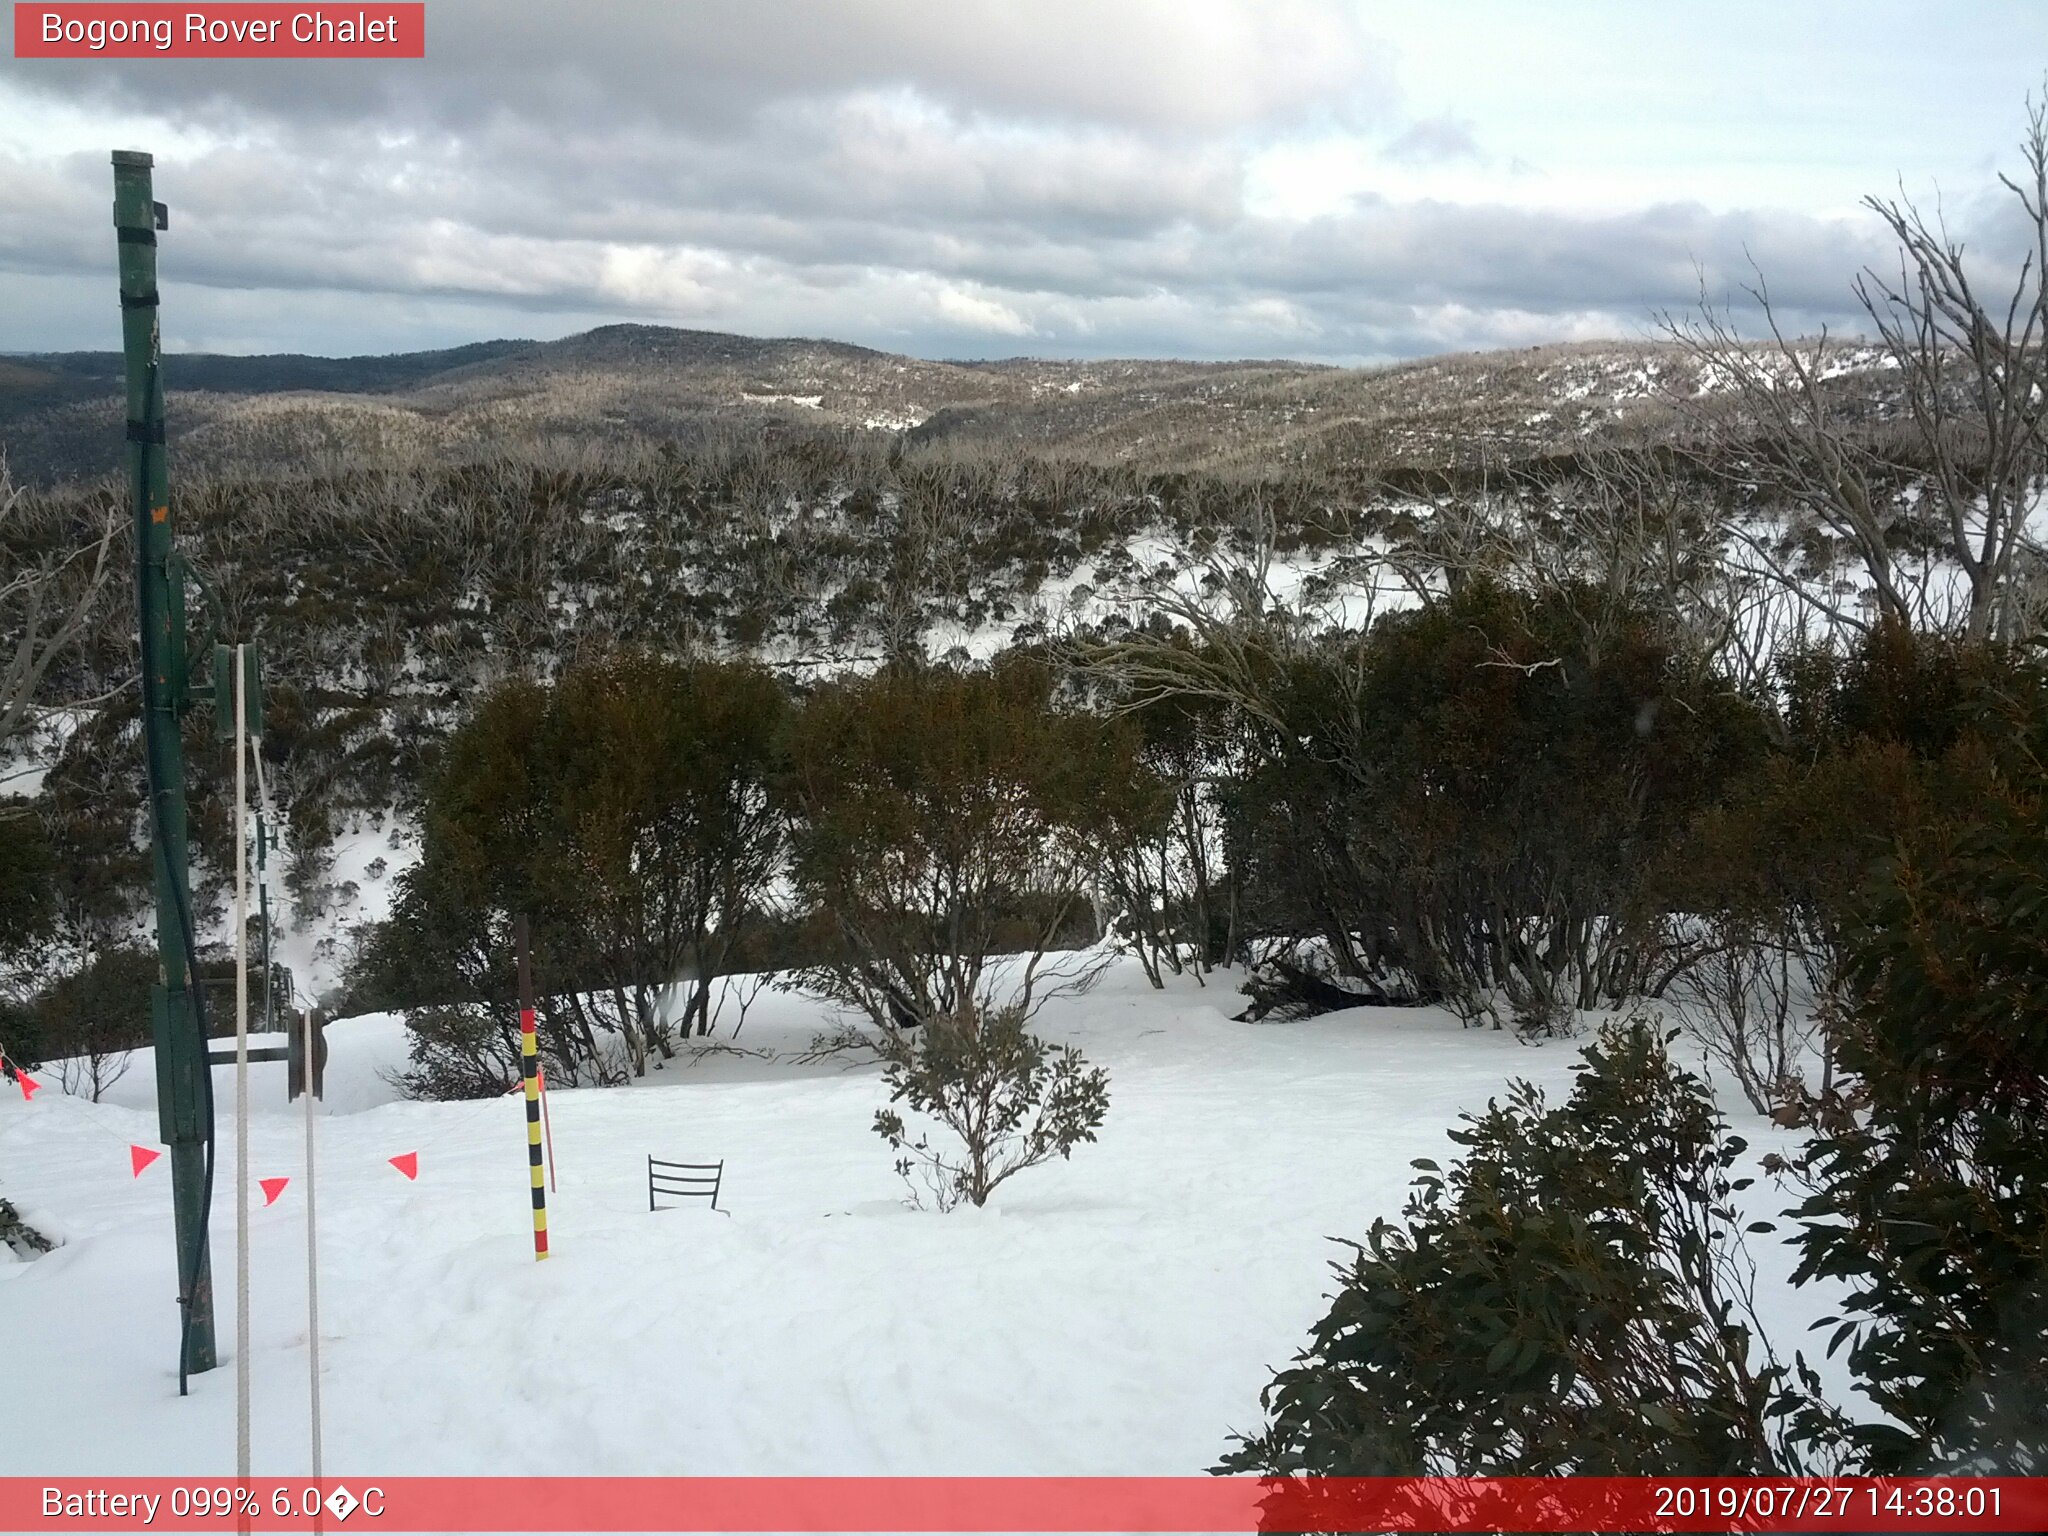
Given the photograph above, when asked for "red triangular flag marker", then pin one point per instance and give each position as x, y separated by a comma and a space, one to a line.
407, 1163
272, 1188
140, 1158
28, 1085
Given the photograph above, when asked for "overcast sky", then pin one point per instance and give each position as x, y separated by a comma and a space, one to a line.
968, 178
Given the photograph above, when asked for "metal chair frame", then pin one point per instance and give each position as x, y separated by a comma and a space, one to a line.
684, 1181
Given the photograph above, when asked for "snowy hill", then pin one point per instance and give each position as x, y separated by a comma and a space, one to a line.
1116, 1314
622, 383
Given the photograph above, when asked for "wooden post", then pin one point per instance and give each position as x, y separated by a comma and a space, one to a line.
547, 1126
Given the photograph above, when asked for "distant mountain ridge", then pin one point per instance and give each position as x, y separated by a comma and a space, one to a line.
60, 412
266, 372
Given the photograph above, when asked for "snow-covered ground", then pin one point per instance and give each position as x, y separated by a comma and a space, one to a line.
1117, 1314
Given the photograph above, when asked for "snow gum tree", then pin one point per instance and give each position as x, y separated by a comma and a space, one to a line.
626, 811
1964, 471
947, 825
945, 828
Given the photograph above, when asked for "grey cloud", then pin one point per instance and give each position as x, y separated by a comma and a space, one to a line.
1168, 66
1436, 141
1368, 282
884, 163
960, 180
717, 269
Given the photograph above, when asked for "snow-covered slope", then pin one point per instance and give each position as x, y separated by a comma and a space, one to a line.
1116, 1314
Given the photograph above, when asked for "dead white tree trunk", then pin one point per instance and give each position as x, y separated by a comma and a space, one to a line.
46, 603
1972, 374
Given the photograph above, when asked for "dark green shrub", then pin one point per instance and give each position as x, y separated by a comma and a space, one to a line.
1899, 736
95, 1017
27, 884
943, 818
1162, 865
1570, 1297
21, 1040
1464, 801
17, 1236
625, 811
459, 1051
1933, 1213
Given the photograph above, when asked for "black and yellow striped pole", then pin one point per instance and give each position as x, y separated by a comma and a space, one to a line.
529, 1064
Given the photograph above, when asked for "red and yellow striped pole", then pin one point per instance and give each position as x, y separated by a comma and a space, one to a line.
529, 1064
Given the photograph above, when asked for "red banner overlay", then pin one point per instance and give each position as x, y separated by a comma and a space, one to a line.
369, 29
1065, 1504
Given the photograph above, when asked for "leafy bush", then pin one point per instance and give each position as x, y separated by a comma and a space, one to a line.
460, 1051
1571, 1297
1896, 736
94, 1018
1162, 864
1766, 881
1926, 693
1463, 801
18, 1237
27, 873
1934, 1213
626, 812
1008, 1097
944, 818
21, 1040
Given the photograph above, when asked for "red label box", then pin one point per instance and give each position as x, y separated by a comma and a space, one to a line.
370, 30
821, 1505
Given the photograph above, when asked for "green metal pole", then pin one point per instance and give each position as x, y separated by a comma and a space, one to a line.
184, 1087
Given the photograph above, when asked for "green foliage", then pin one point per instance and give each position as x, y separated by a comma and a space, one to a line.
447, 961
459, 1051
103, 1007
1897, 839
21, 1039
1897, 736
1570, 1297
1468, 795
435, 947
941, 817
27, 884
660, 780
1898, 733
625, 811
18, 1236
1010, 1100
93, 816
1162, 861
1793, 839
88, 1020
1924, 693
1933, 1215
489, 819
